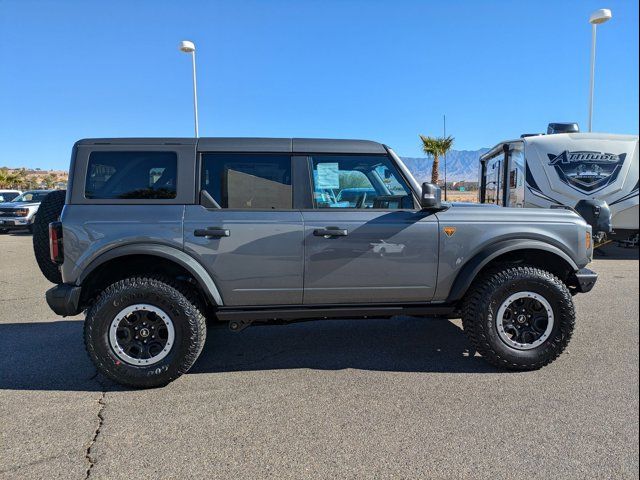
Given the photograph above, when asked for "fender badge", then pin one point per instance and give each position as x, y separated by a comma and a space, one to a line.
449, 231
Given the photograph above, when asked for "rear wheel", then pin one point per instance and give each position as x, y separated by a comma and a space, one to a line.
48, 211
144, 332
519, 318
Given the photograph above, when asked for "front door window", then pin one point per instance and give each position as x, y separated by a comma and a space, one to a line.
358, 181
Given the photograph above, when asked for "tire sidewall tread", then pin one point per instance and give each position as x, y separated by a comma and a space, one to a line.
491, 290
188, 321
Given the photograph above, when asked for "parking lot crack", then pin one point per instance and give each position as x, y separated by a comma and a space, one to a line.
89, 455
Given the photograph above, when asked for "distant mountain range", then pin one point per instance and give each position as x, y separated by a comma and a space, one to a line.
461, 165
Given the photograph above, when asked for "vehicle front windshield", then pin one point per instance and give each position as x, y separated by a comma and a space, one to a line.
31, 197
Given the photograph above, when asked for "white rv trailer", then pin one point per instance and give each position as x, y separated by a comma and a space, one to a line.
557, 169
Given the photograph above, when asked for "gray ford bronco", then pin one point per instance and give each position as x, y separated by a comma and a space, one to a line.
156, 236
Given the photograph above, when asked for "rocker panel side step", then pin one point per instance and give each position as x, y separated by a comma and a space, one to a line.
240, 318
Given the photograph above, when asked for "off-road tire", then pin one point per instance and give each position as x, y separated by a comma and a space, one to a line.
180, 305
484, 299
49, 211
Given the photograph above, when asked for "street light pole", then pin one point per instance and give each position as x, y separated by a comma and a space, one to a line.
596, 18
593, 72
444, 128
188, 47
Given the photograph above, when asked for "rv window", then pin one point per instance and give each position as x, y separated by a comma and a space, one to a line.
493, 179
516, 177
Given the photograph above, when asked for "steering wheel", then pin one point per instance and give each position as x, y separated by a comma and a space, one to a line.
361, 199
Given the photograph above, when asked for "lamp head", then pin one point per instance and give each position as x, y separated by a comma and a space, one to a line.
187, 47
600, 16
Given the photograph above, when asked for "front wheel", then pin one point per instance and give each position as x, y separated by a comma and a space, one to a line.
519, 317
144, 332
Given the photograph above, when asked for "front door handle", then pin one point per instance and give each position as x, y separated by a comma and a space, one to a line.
212, 232
330, 232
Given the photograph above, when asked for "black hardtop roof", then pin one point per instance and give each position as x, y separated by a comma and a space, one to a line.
247, 144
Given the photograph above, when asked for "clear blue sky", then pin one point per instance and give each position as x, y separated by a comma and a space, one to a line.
381, 70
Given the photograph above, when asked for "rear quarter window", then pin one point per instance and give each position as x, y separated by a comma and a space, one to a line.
131, 175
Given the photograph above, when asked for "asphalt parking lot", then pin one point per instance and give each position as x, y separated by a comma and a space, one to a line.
400, 398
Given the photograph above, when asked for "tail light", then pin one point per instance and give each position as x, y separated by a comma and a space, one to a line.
56, 250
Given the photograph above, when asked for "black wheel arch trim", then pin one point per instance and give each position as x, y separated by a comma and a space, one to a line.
585, 279
470, 270
64, 299
164, 251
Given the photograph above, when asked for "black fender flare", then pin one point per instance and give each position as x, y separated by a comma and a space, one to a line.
470, 270
164, 251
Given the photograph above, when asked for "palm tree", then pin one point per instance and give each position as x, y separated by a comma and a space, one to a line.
436, 147
49, 181
4, 174
14, 180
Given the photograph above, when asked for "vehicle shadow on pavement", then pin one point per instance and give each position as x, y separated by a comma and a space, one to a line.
401, 344
18, 233
45, 356
51, 355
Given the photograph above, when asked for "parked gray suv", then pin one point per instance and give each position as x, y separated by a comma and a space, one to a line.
155, 236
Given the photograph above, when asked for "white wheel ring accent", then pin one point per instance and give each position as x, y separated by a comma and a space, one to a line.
500, 317
115, 346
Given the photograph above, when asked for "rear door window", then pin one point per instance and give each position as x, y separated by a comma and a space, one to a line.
131, 175
248, 181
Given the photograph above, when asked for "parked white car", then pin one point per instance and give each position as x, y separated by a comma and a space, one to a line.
21, 211
8, 195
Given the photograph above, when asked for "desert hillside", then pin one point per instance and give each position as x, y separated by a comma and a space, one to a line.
29, 179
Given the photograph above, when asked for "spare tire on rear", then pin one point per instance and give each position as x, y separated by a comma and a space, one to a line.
49, 211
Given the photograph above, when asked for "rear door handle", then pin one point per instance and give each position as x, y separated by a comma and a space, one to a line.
212, 232
330, 232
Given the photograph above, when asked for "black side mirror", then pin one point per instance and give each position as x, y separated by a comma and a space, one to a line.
430, 197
